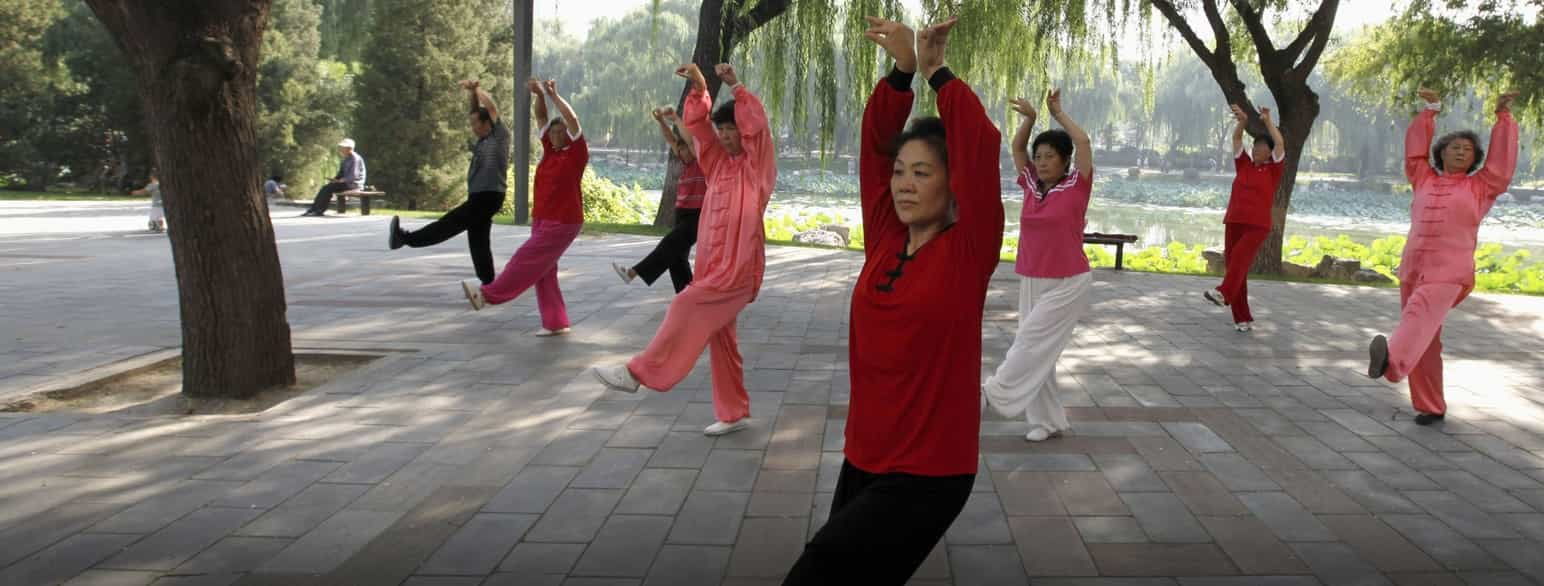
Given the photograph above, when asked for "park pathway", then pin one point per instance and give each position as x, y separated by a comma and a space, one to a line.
473, 453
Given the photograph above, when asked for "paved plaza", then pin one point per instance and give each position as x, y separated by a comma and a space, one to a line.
473, 453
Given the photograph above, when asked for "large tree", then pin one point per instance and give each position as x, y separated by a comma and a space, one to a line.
722, 25
303, 104
195, 62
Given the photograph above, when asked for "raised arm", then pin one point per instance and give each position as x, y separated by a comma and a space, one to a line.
481, 98
694, 113
1279, 153
1021, 136
1418, 140
1083, 149
749, 115
570, 119
538, 103
973, 144
1242, 120
884, 117
665, 118
1501, 158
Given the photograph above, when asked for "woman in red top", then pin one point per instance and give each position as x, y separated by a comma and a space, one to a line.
1248, 220
933, 224
674, 250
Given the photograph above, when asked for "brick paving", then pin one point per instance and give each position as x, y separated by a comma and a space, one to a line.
473, 453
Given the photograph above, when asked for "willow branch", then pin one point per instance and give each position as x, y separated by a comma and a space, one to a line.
1177, 21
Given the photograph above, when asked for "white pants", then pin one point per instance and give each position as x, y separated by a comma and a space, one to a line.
1025, 383
157, 214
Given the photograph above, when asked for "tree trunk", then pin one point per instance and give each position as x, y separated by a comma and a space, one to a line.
1299, 107
195, 63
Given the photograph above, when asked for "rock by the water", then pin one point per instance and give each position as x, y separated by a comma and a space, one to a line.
843, 231
1214, 261
820, 238
1297, 271
1370, 276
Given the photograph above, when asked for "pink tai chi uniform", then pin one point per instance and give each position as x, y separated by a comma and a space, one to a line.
1436, 271
731, 257
556, 218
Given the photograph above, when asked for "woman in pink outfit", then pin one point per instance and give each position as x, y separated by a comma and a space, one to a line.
736, 153
1436, 271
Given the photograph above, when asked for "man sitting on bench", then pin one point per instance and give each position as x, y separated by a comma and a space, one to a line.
351, 176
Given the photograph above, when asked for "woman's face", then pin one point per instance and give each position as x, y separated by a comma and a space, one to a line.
1458, 156
1050, 165
1261, 152
919, 185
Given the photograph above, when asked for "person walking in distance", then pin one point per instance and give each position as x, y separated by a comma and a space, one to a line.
735, 149
1248, 221
555, 221
933, 224
486, 185
1436, 269
351, 176
674, 250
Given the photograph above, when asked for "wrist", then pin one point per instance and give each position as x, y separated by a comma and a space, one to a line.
906, 64
1434, 106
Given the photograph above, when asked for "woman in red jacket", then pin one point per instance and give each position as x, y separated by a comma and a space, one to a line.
1248, 220
933, 225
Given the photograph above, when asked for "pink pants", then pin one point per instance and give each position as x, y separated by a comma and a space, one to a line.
536, 263
697, 318
1415, 348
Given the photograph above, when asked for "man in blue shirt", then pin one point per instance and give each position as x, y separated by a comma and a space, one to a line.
351, 176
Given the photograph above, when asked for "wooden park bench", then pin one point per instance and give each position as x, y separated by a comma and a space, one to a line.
365, 195
1118, 240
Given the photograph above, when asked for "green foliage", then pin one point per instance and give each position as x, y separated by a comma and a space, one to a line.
606, 201
1490, 47
411, 121
303, 103
784, 226
30, 87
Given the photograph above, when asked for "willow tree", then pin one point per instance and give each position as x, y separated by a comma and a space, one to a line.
195, 64
1488, 49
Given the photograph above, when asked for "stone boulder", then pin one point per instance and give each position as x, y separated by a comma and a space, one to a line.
1214, 261
820, 238
1370, 276
1297, 271
840, 230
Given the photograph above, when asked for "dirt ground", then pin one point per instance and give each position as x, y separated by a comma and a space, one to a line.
157, 390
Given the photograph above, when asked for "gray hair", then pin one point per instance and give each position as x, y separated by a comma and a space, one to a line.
1447, 139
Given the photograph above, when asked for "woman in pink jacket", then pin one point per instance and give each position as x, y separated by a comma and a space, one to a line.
1436, 271
736, 153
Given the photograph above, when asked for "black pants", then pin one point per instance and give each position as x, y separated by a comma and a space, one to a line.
324, 196
475, 217
672, 253
882, 527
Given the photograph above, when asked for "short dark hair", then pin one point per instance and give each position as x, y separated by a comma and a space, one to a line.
724, 114
1058, 140
1447, 139
929, 130
482, 114
276, 177
1266, 138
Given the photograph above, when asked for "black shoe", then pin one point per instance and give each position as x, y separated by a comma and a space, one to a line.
394, 240
1377, 356
1213, 296
1427, 418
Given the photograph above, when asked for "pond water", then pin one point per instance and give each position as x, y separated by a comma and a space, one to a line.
1160, 225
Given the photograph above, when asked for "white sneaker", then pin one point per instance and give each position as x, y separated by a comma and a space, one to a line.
1213, 296
720, 428
1040, 434
473, 290
616, 378
627, 275
544, 332
1244, 326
